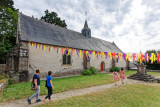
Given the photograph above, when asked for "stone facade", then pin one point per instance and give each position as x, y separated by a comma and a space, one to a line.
51, 61
32, 58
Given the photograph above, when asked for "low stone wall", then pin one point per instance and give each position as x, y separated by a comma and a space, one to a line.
153, 70
56, 74
3, 86
2, 68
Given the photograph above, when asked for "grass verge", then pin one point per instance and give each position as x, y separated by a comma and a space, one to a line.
22, 90
135, 95
128, 73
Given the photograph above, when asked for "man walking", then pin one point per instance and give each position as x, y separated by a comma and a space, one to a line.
36, 83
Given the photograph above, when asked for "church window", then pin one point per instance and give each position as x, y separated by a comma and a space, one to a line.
66, 58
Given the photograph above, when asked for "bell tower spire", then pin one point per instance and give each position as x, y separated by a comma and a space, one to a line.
86, 31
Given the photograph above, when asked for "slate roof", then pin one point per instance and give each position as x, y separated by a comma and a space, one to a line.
38, 31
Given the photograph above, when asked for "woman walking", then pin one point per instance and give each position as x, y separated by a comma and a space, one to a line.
122, 75
49, 86
115, 77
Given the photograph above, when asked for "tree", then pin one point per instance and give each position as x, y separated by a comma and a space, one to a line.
8, 26
7, 3
151, 51
52, 17
155, 65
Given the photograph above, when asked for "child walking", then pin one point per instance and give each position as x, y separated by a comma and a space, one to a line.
122, 75
115, 77
49, 87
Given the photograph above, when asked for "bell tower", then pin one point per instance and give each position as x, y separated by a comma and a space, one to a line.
86, 31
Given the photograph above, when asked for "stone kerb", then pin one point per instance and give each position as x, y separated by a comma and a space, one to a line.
2, 68
3, 86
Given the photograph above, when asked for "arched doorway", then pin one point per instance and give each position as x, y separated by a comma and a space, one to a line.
102, 66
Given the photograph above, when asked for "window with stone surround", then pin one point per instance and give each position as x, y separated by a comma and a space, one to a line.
66, 58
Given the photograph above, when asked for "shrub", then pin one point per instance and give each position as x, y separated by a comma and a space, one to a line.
10, 80
113, 69
86, 72
93, 70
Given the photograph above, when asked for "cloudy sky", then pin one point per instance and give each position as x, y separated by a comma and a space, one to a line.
133, 25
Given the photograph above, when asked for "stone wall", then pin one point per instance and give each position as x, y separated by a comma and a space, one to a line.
97, 62
2, 68
121, 63
52, 61
23, 62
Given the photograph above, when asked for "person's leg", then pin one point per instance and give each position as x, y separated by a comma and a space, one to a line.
50, 93
122, 80
115, 82
35, 94
46, 96
38, 91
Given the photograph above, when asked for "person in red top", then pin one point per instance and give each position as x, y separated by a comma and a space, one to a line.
122, 75
115, 77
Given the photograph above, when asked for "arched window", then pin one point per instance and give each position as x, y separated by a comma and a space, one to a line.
66, 58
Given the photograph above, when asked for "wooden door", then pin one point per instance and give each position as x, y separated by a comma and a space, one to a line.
101, 66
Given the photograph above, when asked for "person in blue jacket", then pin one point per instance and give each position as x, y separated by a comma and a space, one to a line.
49, 87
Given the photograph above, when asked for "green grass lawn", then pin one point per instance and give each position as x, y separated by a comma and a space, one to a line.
22, 90
136, 95
128, 73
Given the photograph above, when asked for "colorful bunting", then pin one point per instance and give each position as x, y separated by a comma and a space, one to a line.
135, 57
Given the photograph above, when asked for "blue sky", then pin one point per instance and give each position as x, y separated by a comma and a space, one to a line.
133, 25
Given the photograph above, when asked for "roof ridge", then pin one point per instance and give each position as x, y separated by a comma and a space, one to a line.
49, 23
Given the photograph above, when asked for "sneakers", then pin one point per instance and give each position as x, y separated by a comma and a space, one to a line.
39, 100
29, 101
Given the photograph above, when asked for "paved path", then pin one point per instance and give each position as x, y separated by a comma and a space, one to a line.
68, 94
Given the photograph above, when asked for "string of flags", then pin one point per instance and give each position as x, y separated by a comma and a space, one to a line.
96, 54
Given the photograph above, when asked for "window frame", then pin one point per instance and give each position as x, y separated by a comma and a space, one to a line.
67, 59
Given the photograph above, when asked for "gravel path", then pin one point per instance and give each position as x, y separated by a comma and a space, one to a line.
68, 94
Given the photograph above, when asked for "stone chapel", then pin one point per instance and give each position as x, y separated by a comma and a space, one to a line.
25, 59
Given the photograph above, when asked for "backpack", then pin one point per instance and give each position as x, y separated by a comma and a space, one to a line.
45, 83
32, 85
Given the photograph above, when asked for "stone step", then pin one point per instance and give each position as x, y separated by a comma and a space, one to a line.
143, 77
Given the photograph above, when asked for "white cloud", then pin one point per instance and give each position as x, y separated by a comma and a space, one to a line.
132, 24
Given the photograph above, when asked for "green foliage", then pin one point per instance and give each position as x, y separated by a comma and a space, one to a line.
8, 26
151, 51
93, 70
154, 65
113, 69
52, 17
10, 80
87, 72
7, 3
